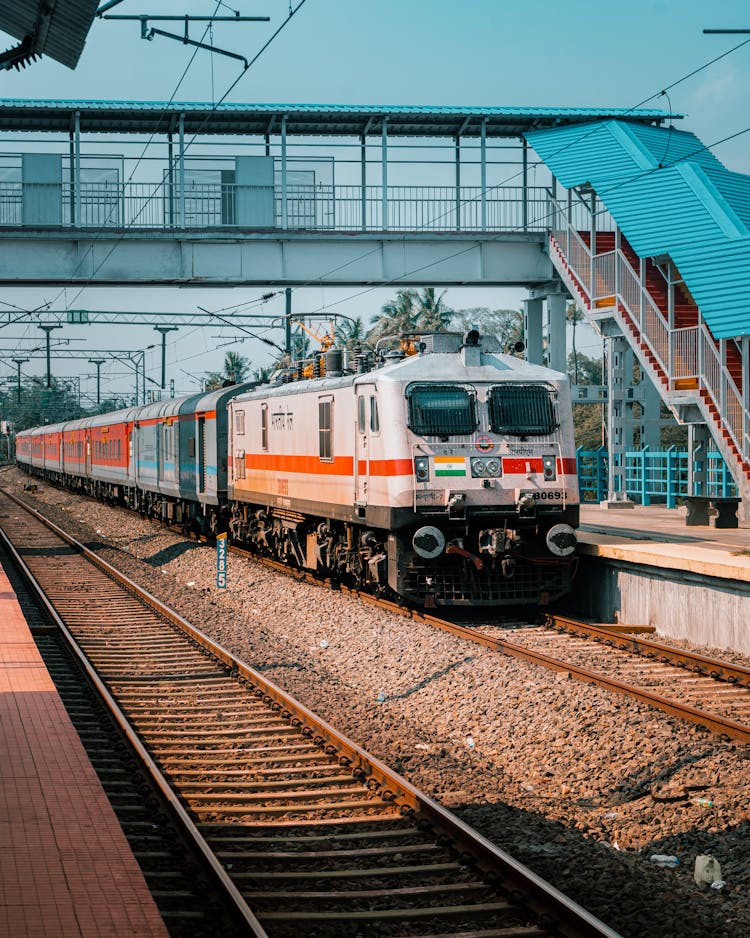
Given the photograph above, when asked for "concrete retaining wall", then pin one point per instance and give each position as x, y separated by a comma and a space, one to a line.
679, 604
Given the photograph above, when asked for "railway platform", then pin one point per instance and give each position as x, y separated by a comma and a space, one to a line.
646, 566
65, 865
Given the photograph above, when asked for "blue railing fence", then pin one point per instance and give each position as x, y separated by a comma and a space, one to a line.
652, 476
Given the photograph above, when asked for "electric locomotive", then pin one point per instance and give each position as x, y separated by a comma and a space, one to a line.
444, 477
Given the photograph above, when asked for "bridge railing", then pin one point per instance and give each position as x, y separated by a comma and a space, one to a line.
310, 208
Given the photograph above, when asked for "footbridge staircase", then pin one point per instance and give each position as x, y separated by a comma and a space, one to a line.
658, 251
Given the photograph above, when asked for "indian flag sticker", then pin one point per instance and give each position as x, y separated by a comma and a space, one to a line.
450, 466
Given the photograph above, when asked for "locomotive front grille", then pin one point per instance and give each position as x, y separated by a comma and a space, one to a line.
458, 584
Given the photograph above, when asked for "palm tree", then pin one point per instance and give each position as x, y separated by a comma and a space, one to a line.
574, 316
432, 313
411, 311
396, 316
350, 333
236, 367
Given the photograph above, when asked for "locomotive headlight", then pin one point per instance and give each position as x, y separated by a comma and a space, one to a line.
422, 468
550, 468
493, 467
478, 467
482, 468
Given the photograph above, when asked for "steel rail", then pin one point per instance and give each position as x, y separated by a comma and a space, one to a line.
701, 664
720, 670
717, 724
233, 894
555, 909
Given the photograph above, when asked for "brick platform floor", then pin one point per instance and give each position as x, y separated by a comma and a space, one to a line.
66, 869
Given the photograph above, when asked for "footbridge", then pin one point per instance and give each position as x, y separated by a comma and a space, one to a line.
651, 236
281, 195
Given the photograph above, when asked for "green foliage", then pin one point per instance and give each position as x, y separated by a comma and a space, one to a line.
588, 419
505, 324
411, 311
350, 333
39, 404
236, 370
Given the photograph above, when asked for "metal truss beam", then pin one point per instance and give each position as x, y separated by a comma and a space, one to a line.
84, 354
112, 317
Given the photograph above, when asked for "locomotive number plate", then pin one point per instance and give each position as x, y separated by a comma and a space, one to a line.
545, 495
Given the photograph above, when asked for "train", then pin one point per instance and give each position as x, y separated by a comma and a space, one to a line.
441, 472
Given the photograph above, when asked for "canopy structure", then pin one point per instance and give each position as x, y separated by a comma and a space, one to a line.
56, 29
669, 195
331, 120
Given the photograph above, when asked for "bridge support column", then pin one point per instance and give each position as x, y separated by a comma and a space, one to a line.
698, 443
651, 415
533, 331
616, 437
557, 354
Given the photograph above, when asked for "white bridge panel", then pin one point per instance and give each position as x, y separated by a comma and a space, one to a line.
31, 258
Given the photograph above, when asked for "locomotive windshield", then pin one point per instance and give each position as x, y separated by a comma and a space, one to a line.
441, 410
521, 410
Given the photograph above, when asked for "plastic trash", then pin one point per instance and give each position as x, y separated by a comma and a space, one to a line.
190, 583
381, 697
324, 644
704, 802
665, 860
718, 885
470, 742
707, 870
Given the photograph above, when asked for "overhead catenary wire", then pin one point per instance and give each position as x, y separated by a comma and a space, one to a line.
489, 189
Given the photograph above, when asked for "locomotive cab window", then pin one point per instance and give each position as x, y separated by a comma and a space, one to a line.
325, 428
239, 421
264, 427
441, 410
374, 415
522, 410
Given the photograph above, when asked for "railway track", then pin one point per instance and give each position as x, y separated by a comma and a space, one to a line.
706, 691
307, 833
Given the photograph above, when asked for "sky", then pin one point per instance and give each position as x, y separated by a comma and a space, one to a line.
410, 52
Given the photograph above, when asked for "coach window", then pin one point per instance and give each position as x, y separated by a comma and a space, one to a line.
325, 428
264, 427
374, 415
239, 464
361, 420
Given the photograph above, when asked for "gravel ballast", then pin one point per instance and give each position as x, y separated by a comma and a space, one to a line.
581, 785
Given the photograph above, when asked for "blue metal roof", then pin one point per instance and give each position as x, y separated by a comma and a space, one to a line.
318, 119
669, 195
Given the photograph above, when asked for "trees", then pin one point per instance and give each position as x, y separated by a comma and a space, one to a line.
574, 315
505, 324
411, 311
236, 370
350, 333
588, 419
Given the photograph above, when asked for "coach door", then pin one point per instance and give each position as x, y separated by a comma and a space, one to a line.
201, 444
365, 403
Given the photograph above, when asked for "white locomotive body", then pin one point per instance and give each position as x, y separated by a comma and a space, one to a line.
447, 477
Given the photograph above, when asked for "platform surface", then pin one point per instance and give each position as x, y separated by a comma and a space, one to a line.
66, 869
657, 536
